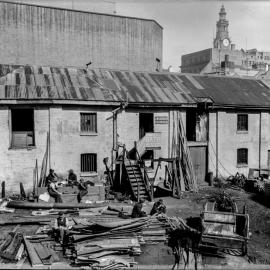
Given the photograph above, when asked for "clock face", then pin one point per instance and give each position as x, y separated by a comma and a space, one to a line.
226, 42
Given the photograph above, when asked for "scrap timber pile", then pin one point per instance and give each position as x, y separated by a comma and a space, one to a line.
97, 238
113, 245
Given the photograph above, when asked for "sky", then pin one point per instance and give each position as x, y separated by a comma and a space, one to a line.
188, 25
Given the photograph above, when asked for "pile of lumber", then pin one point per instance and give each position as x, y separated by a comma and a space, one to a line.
113, 244
12, 247
41, 251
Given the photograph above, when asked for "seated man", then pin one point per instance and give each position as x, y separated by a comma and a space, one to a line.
72, 177
52, 190
51, 177
82, 186
61, 227
137, 209
158, 207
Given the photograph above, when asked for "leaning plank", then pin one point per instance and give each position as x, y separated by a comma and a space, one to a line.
33, 257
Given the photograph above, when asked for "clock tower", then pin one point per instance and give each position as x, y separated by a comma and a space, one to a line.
222, 40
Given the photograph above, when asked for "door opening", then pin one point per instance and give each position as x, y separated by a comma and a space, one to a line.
146, 123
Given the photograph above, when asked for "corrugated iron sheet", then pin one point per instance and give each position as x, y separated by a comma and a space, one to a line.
232, 91
35, 82
47, 83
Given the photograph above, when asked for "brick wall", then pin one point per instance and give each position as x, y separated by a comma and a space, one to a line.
59, 37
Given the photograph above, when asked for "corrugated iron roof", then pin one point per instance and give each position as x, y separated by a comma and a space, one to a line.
78, 84
43, 83
232, 91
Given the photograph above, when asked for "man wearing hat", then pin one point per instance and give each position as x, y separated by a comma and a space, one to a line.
137, 209
61, 227
52, 188
158, 207
51, 176
82, 187
72, 178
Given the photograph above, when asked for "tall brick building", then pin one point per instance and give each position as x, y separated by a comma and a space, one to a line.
38, 35
224, 58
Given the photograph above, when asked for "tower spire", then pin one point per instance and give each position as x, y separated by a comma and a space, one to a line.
222, 40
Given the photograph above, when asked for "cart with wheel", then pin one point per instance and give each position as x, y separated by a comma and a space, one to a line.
225, 230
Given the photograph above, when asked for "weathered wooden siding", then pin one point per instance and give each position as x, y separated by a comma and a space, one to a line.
52, 36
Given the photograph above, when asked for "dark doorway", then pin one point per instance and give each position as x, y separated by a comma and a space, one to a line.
146, 123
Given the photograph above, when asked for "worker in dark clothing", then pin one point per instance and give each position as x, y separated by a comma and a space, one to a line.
52, 176
82, 186
72, 178
52, 190
158, 207
60, 228
137, 209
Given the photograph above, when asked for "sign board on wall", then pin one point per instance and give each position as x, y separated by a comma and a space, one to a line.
161, 120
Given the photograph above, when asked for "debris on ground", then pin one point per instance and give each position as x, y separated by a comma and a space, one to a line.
105, 236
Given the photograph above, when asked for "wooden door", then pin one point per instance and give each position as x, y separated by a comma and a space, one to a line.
199, 161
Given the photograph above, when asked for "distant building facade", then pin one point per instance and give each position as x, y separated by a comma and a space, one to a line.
38, 35
224, 58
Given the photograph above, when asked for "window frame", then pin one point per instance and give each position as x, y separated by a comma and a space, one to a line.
242, 126
239, 158
85, 165
28, 133
89, 131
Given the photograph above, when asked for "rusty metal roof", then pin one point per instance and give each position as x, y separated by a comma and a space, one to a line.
51, 83
162, 89
230, 91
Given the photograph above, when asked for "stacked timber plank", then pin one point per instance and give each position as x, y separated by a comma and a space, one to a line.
41, 251
113, 244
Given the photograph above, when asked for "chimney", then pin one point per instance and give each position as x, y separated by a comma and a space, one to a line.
225, 65
232, 47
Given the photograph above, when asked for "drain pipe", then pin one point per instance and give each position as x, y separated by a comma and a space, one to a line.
260, 140
217, 144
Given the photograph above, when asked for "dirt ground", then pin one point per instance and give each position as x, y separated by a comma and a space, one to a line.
258, 208
191, 205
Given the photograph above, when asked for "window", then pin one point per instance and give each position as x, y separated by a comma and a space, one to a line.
242, 122
242, 156
88, 162
22, 128
147, 158
89, 122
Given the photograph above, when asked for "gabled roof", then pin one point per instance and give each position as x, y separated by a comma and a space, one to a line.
71, 85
